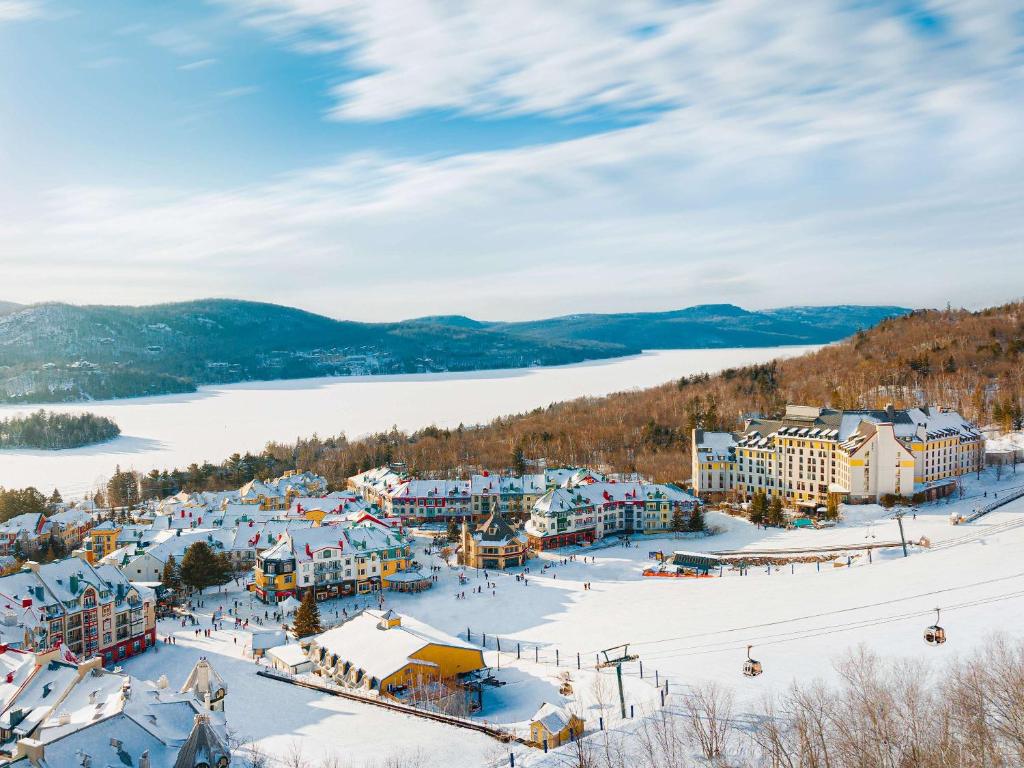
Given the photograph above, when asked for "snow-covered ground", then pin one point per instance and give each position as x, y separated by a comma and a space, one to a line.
687, 630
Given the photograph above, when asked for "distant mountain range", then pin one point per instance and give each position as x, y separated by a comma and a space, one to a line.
63, 352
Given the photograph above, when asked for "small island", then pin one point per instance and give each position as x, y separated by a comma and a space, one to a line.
55, 431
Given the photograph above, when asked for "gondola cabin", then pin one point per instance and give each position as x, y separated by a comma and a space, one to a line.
935, 634
751, 667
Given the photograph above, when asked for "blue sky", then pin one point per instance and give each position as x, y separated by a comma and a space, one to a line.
378, 160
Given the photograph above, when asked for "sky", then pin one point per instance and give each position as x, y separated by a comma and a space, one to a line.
387, 159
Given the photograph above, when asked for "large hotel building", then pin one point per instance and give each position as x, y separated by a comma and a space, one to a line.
860, 455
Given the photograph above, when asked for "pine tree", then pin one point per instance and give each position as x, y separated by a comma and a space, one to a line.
224, 572
171, 577
453, 531
307, 618
774, 516
758, 508
55, 497
697, 520
678, 521
123, 489
519, 461
200, 568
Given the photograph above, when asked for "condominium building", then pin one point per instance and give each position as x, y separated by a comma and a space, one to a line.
509, 495
91, 610
374, 483
585, 513
279, 492
425, 501
857, 455
331, 560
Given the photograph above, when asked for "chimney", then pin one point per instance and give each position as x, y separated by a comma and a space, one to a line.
890, 411
32, 749
144, 761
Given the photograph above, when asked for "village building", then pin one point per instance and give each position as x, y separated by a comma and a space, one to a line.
428, 501
395, 656
331, 560
290, 658
101, 541
857, 455
554, 726
278, 493
374, 483
511, 495
22, 529
71, 525
65, 713
493, 544
585, 513
91, 610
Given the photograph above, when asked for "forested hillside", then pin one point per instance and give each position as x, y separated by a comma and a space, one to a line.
968, 360
62, 352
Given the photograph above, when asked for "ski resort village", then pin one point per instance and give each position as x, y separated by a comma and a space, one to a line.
567, 616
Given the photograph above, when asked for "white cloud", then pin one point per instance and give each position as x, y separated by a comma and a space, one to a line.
197, 64
180, 42
18, 10
652, 216
799, 153
538, 57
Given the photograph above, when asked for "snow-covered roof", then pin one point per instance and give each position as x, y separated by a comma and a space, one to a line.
507, 484
291, 655
366, 642
560, 500
554, 719
431, 489
29, 523
718, 446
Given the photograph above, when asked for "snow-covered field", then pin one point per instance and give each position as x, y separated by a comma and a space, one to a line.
216, 421
689, 631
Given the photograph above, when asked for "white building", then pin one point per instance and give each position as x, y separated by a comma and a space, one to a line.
858, 455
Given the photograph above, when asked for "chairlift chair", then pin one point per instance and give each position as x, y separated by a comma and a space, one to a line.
935, 634
751, 667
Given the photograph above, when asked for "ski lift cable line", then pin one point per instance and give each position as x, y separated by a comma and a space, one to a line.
835, 612
822, 631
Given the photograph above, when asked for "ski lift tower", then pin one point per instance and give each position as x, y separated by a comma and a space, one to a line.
616, 657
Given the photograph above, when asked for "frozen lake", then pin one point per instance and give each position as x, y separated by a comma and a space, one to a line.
176, 430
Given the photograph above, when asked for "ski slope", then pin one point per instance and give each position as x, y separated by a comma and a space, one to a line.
799, 620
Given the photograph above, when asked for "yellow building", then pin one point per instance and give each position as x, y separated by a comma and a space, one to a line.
395, 656
102, 540
331, 560
811, 453
553, 726
493, 544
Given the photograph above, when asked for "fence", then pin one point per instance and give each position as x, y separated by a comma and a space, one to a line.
993, 505
395, 706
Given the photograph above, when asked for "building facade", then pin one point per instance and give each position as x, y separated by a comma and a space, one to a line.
492, 545
395, 656
331, 561
510, 495
585, 513
91, 610
858, 455
428, 501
